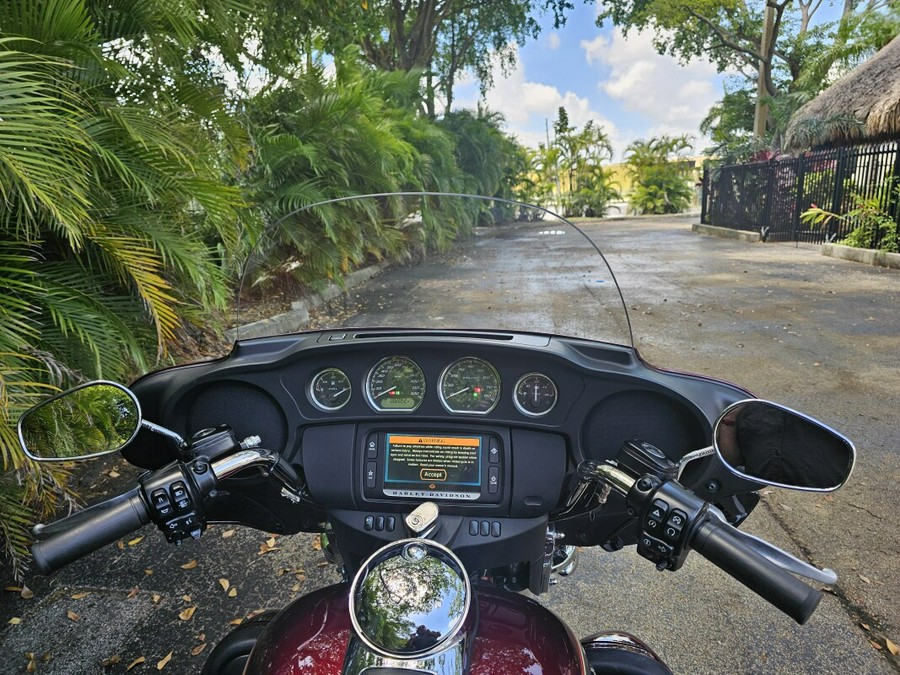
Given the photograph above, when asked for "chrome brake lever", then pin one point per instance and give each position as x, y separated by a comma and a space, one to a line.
778, 556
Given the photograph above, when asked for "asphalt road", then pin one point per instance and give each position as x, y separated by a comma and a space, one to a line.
811, 332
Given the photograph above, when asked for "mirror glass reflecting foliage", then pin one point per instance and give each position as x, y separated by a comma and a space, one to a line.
411, 600
88, 421
767, 442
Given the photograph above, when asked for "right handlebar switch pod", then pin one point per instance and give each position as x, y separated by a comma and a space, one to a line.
668, 513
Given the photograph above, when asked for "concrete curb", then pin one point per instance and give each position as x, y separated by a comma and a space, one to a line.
862, 255
725, 233
298, 316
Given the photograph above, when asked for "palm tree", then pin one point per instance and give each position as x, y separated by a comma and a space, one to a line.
114, 152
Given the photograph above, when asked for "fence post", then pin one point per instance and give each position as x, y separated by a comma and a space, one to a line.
769, 194
798, 209
704, 195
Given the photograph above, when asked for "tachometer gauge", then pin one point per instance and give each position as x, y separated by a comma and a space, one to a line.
329, 389
395, 383
470, 385
535, 394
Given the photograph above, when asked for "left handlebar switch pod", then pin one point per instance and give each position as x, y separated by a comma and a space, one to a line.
174, 496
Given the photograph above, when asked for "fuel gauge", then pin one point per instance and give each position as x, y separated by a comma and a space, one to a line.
535, 394
330, 389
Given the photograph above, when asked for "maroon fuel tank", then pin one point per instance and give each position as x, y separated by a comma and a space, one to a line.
514, 635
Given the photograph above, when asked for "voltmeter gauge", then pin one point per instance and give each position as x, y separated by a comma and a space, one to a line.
395, 383
470, 385
535, 394
329, 389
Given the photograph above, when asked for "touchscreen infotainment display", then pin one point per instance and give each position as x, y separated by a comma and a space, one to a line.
446, 467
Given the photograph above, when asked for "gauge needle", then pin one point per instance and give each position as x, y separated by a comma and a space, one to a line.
457, 393
535, 393
386, 391
338, 393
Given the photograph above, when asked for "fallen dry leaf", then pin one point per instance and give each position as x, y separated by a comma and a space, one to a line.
317, 544
120, 545
112, 473
875, 645
864, 626
156, 597
15, 621
187, 613
26, 593
111, 661
72, 615
189, 565
199, 648
864, 578
32, 664
233, 592
236, 622
271, 543
133, 592
186, 598
79, 596
295, 588
13, 589
225, 584
148, 571
139, 660
228, 533
165, 660
892, 646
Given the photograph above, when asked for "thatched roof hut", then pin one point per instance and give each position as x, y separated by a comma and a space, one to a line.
862, 106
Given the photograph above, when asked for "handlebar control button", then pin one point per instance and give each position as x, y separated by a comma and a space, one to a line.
674, 525
473, 528
369, 522
371, 473
161, 504
657, 547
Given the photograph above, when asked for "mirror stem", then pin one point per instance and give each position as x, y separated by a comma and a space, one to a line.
691, 456
168, 433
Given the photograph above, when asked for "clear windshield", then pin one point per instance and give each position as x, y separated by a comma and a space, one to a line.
512, 266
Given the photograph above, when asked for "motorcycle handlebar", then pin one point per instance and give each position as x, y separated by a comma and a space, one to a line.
715, 542
86, 531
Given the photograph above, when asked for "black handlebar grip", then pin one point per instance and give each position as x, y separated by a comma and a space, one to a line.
714, 542
89, 529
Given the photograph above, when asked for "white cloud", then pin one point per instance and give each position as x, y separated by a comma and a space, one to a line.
673, 97
553, 40
528, 106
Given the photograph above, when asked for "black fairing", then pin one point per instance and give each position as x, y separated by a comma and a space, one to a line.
606, 396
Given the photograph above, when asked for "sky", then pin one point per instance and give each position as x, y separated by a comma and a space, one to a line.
598, 74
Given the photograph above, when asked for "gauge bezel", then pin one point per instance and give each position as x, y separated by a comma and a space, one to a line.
524, 410
311, 391
371, 399
449, 408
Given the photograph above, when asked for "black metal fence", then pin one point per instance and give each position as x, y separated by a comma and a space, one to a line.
768, 197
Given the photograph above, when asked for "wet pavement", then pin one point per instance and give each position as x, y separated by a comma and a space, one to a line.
811, 332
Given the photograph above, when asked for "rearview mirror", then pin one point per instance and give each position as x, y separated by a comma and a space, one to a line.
93, 419
769, 443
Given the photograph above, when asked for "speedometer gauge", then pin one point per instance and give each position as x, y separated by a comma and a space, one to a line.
535, 394
395, 383
330, 389
470, 385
